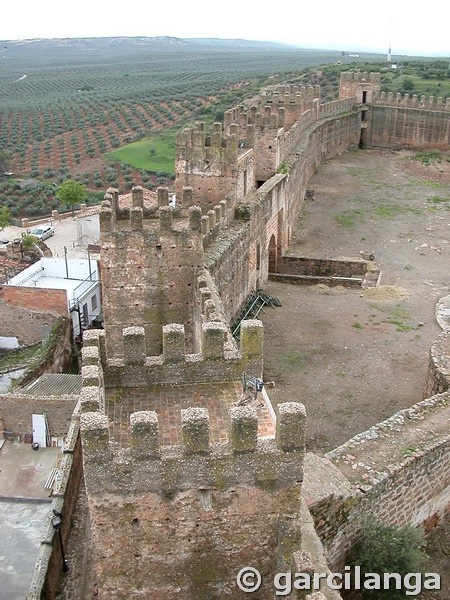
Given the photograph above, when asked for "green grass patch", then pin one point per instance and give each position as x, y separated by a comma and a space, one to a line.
390, 211
151, 154
292, 361
438, 200
19, 358
396, 315
349, 218
434, 185
358, 325
429, 157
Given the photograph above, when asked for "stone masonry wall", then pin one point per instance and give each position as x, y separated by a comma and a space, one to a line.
399, 472
439, 366
191, 546
148, 273
16, 411
25, 311
206, 163
299, 265
272, 209
404, 127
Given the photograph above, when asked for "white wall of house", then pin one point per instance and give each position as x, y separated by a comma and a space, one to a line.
80, 279
86, 309
88, 229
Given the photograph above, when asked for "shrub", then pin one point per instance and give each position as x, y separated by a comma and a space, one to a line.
388, 549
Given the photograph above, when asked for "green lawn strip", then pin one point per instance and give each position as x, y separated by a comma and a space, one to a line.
150, 154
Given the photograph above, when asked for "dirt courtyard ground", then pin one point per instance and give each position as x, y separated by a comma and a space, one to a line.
356, 356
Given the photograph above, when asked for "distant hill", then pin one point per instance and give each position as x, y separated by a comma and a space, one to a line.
93, 43
132, 44
239, 43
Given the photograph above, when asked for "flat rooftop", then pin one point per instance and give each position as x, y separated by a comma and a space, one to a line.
24, 506
167, 402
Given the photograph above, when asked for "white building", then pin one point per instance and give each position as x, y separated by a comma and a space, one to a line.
79, 278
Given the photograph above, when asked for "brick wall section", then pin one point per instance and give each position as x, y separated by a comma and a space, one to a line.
25, 311
416, 492
16, 411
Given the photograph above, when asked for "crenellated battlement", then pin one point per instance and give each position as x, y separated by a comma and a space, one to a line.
335, 107
217, 164
197, 144
217, 360
358, 76
162, 213
413, 101
210, 306
147, 466
277, 109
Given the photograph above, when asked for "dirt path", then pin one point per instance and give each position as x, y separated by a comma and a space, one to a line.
353, 356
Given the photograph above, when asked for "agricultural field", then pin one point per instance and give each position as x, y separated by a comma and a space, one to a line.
67, 106
95, 109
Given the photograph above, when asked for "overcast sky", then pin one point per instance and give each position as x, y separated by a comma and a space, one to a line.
411, 28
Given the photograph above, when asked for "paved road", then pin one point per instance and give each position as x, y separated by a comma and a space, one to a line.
66, 234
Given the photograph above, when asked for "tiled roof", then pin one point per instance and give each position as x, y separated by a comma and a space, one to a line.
9, 267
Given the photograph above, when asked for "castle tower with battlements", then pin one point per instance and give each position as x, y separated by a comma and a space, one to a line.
149, 256
182, 498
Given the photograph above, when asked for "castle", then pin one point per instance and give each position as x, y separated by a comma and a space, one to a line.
188, 481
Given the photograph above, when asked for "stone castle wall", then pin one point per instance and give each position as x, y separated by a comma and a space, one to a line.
398, 472
404, 126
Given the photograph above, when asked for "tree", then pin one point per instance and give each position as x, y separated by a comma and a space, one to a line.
4, 217
71, 193
408, 85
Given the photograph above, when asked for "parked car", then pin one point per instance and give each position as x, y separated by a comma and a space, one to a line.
44, 232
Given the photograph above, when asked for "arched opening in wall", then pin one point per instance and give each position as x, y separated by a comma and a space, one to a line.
259, 184
273, 255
